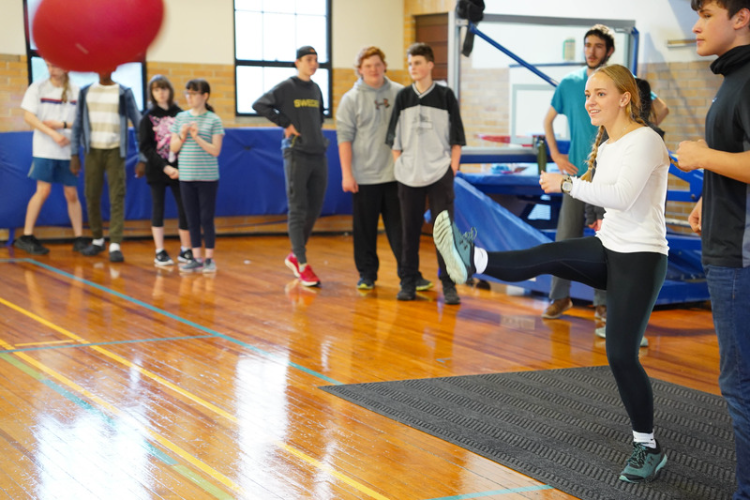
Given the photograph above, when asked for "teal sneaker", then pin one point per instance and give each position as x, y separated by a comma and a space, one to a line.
644, 464
456, 248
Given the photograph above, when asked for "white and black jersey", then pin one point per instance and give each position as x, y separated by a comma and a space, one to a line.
424, 127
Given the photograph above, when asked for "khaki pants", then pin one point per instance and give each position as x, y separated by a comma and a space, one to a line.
98, 162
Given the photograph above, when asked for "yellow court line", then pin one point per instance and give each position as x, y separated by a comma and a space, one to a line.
44, 343
305, 457
112, 409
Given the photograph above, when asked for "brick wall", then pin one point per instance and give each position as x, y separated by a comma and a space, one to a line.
219, 76
13, 83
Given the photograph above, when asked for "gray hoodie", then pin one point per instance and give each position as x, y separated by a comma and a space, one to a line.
362, 119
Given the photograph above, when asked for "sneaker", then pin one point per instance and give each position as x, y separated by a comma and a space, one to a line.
365, 284
29, 244
163, 259
308, 277
185, 256
80, 243
209, 266
116, 256
92, 250
456, 248
602, 332
292, 263
557, 308
450, 295
194, 266
407, 292
644, 464
423, 284
600, 313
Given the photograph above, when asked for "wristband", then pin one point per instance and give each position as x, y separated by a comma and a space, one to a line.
65, 125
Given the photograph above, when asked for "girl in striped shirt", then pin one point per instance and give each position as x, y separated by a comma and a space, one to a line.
197, 135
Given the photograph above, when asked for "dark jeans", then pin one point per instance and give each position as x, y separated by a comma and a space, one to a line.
729, 289
97, 163
158, 199
369, 203
632, 281
440, 195
306, 181
199, 200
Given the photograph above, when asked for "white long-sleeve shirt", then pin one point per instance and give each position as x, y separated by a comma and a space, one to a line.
631, 183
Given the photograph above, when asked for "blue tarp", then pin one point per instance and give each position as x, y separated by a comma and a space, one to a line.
251, 183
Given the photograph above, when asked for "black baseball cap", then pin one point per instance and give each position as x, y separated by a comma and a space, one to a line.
306, 50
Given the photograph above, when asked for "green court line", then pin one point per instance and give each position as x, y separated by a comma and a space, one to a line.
150, 448
114, 342
169, 315
523, 489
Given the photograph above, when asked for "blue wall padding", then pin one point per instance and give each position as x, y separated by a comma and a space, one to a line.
251, 180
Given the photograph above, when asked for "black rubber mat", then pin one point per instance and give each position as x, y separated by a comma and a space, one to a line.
567, 428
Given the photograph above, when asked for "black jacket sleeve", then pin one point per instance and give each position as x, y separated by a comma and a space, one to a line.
147, 146
268, 105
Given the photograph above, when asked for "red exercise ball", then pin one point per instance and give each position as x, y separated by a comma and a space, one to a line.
96, 35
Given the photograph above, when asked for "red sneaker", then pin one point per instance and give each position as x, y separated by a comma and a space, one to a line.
291, 263
308, 277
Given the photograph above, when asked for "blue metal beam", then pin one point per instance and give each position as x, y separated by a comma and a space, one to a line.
530, 67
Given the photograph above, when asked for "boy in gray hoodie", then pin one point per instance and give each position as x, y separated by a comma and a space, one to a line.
367, 164
296, 105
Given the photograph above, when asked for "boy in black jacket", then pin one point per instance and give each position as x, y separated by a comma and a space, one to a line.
296, 105
721, 215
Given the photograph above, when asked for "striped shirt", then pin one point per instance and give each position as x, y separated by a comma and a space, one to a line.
195, 163
103, 103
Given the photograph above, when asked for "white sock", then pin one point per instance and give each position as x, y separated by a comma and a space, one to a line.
159, 250
114, 247
302, 267
99, 242
480, 259
184, 249
645, 438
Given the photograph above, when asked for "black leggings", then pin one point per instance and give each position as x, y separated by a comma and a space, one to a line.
199, 199
158, 197
632, 281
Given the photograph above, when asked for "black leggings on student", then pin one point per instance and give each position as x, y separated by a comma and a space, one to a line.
158, 197
199, 200
632, 281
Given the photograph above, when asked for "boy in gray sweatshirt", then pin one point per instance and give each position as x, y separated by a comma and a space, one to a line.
296, 105
367, 164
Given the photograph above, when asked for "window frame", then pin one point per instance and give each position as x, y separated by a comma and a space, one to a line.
240, 63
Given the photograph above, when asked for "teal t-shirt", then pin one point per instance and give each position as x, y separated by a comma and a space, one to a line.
570, 100
195, 163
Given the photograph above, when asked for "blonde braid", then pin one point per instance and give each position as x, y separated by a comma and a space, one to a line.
592, 156
66, 87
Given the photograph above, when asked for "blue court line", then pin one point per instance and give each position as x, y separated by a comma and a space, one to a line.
496, 492
114, 342
177, 318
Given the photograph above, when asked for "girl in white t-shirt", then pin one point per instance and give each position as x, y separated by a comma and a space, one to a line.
627, 257
49, 108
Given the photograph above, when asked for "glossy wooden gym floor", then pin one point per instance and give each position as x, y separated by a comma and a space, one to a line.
123, 381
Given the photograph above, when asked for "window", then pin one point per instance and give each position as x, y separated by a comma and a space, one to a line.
267, 36
131, 75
